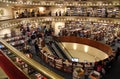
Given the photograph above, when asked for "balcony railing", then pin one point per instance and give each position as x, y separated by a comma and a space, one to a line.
31, 64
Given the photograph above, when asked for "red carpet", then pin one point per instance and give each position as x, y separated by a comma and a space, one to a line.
10, 69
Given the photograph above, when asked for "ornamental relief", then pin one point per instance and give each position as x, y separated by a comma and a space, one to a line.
1, 12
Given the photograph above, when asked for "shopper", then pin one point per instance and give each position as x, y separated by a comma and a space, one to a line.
117, 53
37, 50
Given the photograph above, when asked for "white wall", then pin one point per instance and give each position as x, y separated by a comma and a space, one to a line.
7, 13
58, 26
57, 9
5, 31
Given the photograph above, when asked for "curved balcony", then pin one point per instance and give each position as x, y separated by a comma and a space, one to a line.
15, 22
105, 48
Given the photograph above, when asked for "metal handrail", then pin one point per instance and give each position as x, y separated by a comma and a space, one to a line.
64, 48
43, 70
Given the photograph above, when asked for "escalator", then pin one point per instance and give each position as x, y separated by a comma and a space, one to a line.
65, 51
55, 48
59, 50
51, 46
51, 49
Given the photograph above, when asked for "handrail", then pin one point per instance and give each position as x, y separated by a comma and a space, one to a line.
57, 49
43, 70
14, 65
64, 48
64, 56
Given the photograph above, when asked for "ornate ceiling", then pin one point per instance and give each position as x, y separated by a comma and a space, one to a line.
31, 3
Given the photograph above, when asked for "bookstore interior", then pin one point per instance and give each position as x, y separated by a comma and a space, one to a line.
59, 39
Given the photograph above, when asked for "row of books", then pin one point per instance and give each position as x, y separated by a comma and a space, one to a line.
110, 12
12, 39
77, 24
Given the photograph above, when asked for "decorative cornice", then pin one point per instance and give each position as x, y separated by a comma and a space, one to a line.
64, 3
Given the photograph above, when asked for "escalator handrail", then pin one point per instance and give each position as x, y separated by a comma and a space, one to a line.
56, 39
63, 54
43, 70
65, 49
58, 50
52, 50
